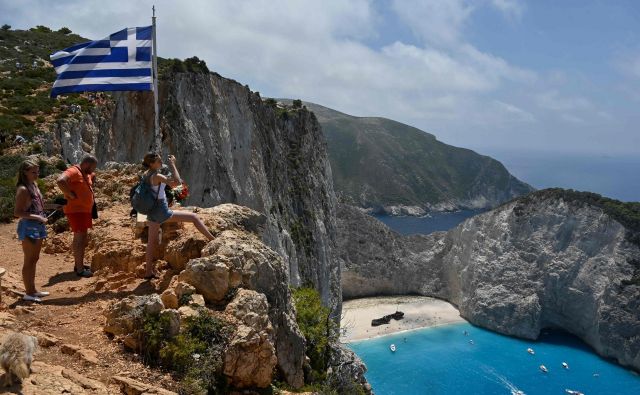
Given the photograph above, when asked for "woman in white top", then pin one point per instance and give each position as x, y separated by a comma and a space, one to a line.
160, 212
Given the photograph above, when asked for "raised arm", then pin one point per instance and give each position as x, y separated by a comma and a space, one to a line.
175, 179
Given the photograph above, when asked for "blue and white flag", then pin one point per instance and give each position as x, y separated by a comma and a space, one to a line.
120, 62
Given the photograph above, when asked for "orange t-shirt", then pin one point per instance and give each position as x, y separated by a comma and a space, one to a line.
81, 185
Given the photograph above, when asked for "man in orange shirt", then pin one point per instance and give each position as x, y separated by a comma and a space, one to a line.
77, 185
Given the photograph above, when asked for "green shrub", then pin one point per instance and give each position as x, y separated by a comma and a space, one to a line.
297, 103
6, 27
41, 29
64, 30
195, 354
317, 327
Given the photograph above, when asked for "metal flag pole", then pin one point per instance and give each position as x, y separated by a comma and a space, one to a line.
157, 143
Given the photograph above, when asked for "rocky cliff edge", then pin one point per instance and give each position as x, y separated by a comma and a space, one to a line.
552, 259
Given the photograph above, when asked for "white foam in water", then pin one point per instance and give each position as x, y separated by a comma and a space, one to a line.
501, 379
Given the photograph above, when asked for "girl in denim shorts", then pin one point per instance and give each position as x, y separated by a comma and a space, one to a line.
160, 212
30, 208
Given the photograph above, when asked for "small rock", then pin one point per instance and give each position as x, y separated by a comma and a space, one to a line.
187, 311
133, 387
47, 340
198, 300
169, 299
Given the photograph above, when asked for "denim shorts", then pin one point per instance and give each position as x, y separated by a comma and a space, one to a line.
160, 212
28, 228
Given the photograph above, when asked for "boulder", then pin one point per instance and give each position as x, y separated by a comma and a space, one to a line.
209, 276
187, 246
250, 356
124, 316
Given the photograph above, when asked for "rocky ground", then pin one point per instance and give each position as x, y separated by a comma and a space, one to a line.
76, 355
84, 328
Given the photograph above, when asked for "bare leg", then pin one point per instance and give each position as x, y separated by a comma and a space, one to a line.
80, 241
186, 216
31, 249
152, 242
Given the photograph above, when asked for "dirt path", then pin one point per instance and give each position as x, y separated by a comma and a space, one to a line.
72, 314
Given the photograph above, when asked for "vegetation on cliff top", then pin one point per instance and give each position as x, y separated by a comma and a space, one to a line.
626, 213
26, 77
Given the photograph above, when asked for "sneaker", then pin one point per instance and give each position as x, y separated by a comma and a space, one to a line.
41, 294
31, 298
85, 272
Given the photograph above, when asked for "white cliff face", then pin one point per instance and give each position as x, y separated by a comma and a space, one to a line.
230, 148
535, 263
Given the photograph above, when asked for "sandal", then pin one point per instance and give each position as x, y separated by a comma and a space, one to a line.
41, 294
31, 298
85, 272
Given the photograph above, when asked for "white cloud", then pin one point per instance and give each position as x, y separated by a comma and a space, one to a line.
512, 9
318, 51
436, 22
517, 113
553, 100
629, 65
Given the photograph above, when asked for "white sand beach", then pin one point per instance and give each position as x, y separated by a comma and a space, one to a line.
419, 312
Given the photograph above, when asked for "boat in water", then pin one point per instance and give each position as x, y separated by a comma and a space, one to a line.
530, 351
544, 369
565, 365
392, 348
573, 392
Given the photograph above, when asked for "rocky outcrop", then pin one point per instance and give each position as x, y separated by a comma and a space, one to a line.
231, 147
346, 371
251, 356
543, 261
236, 272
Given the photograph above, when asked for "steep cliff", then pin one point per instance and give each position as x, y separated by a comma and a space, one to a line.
552, 259
231, 147
387, 166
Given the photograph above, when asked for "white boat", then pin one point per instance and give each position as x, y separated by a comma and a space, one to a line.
565, 365
517, 392
471, 342
530, 351
392, 347
544, 368
573, 392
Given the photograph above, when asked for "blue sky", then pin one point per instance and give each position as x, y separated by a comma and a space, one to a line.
491, 75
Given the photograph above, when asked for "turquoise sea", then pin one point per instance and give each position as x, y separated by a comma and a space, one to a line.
442, 360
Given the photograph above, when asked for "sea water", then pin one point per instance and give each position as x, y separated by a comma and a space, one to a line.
443, 360
433, 222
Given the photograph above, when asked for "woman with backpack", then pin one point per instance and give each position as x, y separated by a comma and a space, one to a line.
160, 212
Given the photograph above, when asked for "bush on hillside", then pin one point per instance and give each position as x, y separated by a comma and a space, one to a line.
317, 327
195, 354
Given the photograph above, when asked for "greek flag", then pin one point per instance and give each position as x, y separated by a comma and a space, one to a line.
120, 62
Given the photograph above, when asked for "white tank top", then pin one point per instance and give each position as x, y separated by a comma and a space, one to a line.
159, 190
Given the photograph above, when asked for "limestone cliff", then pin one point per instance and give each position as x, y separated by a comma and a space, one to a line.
231, 147
542, 261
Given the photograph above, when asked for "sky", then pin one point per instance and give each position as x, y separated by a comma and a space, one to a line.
490, 75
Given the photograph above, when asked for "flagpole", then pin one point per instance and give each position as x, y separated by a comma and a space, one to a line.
157, 141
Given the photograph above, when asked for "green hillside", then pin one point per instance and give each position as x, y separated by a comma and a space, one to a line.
380, 162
